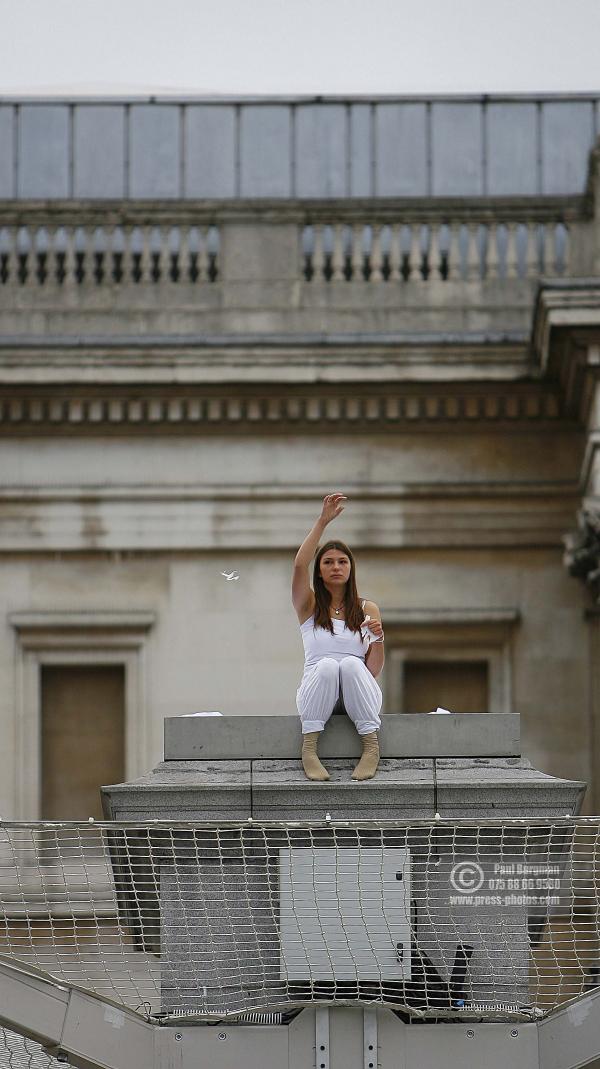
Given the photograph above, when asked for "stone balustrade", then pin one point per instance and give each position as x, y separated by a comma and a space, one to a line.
411, 241
281, 268
416, 251
122, 253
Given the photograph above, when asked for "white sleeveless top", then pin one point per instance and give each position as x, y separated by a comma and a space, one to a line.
319, 643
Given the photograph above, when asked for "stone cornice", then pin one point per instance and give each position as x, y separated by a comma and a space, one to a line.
146, 361
379, 408
71, 212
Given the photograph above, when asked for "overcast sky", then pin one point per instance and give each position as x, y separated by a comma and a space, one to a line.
207, 47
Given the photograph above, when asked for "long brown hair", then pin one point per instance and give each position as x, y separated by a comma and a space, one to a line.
354, 615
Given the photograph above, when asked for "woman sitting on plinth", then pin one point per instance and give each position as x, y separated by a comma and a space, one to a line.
343, 646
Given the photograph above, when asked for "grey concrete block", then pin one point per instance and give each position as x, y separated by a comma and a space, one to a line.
402, 790
503, 788
188, 790
209, 133
43, 165
99, 150
155, 150
7, 151
400, 150
456, 148
401, 735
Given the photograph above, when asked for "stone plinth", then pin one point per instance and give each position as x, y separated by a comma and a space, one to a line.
217, 916
233, 768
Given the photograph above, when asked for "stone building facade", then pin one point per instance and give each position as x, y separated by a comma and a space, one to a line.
212, 313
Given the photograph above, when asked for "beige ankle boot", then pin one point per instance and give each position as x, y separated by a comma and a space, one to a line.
367, 766
310, 762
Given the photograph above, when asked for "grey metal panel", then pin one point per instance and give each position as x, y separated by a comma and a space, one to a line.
567, 132
360, 937
209, 151
511, 149
7, 151
265, 148
99, 150
321, 150
43, 163
154, 151
224, 1045
360, 151
401, 150
456, 149
570, 1037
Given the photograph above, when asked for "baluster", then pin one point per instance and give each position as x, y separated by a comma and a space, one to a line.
116, 256
318, 253
454, 264
162, 248
549, 248
70, 261
512, 251
12, 261
50, 255
532, 262
41, 255
83, 239
127, 262
415, 255
213, 245
203, 261
376, 254
146, 255
473, 260
435, 253
492, 254
25, 273
357, 253
566, 251
175, 254
184, 252
395, 253
337, 254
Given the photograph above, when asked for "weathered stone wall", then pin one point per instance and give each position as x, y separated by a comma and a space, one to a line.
157, 429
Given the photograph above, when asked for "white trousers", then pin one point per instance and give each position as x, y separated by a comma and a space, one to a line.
322, 685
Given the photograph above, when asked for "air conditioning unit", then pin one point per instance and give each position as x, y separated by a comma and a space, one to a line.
345, 913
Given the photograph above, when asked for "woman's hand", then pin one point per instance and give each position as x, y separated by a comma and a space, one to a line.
376, 629
333, 505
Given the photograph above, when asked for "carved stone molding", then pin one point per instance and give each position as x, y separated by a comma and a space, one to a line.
191, 411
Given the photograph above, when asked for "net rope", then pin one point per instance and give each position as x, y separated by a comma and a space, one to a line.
19, 1052
207, 920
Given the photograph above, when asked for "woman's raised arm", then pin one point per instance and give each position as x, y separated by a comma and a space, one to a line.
302, 595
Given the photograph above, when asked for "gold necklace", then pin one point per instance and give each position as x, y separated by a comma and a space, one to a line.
339, 609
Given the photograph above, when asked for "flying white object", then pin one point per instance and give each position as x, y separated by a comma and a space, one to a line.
230, 576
